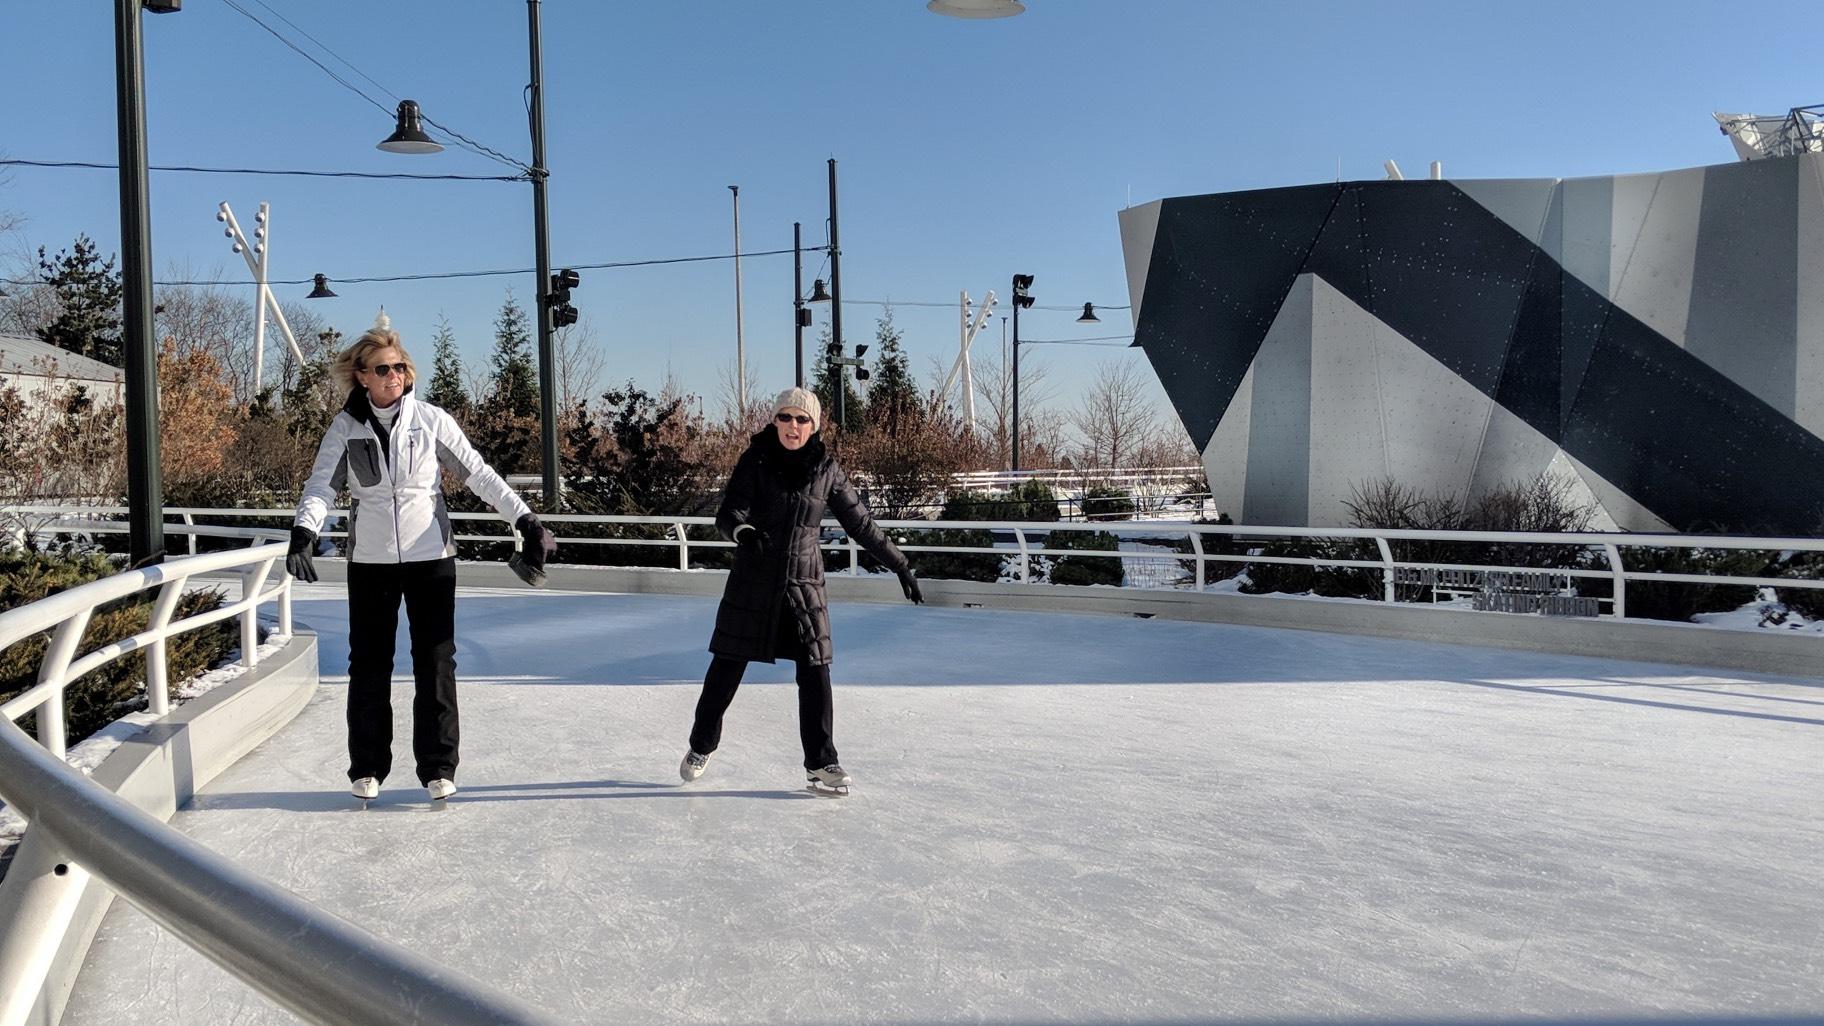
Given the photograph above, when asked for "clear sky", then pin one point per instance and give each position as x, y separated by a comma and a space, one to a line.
968, 150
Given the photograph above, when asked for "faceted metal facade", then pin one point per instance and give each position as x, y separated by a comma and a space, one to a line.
1657, 338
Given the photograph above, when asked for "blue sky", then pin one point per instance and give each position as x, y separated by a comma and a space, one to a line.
968, 150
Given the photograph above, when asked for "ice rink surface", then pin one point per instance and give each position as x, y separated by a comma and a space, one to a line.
1056, 819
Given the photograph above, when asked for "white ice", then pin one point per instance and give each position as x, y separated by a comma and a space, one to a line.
1056, 818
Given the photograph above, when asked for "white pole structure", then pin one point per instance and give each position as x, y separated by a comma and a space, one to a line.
962, 365
262, 234
257, 266
740, 345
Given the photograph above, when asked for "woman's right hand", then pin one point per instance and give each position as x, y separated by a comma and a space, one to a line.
751, 538
298, 558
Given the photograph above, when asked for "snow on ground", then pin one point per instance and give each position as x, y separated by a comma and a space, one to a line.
1057, 818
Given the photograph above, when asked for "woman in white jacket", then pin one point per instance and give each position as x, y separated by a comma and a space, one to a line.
388, 449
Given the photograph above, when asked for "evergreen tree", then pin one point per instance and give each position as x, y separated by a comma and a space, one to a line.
515, 386
823, 383
88, 299
893, 398
446, 386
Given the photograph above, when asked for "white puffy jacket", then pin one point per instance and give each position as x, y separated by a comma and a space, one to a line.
396, 508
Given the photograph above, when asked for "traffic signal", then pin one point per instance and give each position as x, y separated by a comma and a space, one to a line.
1022, 291
559, 311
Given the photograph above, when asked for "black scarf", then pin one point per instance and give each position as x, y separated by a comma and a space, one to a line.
793, 466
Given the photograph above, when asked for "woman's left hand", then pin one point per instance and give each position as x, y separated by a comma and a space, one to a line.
909, 584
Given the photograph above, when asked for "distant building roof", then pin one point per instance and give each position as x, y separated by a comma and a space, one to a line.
21, 355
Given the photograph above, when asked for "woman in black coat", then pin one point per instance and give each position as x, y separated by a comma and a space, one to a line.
774, 606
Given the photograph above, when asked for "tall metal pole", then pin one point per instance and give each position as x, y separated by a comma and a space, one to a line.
1016, 381
541, 231
841, 375
740, 344
145, 502
798, 303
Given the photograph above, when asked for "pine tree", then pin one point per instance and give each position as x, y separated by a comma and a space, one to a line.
823, 383
88, 297
515, 386
893, 398
446, 386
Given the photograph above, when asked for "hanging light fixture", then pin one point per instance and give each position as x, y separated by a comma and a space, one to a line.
976, 8
1089, 315
409, 136
322, 289
818, 293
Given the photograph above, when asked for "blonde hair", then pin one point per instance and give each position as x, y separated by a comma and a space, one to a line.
355, 357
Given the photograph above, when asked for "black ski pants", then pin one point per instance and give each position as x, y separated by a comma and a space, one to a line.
428, 588
816, 709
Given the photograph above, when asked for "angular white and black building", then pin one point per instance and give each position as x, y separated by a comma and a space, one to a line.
1657, 337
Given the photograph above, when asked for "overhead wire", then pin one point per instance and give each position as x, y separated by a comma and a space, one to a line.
297, 172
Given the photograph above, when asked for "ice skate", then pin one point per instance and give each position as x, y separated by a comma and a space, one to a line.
440, 789
829, 781
693, 765
366, 789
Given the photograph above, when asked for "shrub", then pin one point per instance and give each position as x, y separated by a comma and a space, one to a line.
1105, 503
1085, 569
1679, 601
96, 699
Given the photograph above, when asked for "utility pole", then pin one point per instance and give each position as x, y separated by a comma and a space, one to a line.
836, 294
740, 344
798, 311
541, 231
145, 498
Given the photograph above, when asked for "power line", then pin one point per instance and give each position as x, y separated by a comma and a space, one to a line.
951, 305
1098, 340
458, 138
297, 172
325, 48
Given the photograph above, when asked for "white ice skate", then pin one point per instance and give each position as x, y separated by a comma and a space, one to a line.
440, 789
366, 789
693, 765
829, 781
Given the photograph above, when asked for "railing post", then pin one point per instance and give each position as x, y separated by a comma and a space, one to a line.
158, 674
252, 580
285, 605
1197, 547
190, 521
1019, 536
56, 667
1387, 570
1619, 608
683, 547
854, 556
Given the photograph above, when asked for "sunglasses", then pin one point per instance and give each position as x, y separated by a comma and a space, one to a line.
387, 370
787, 418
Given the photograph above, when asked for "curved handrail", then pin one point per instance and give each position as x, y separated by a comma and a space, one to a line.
318, 965
314, 963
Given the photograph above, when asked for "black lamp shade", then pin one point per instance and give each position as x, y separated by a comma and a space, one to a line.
818, 293
1089, 315
322, 288
409, 136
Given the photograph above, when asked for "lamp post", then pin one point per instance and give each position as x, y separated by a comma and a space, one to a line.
836, 295
740, 344
145, 501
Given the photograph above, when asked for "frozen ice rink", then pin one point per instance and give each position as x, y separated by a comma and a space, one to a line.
1056, 818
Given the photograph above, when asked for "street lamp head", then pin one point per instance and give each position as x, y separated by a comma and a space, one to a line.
408, 136
322, 288
976, 8
1089, 315
164, 6
818, 293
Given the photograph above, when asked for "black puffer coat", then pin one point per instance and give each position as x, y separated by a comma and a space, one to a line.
785, 494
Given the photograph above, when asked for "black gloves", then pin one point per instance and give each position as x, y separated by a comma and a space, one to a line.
297, 558
535, 546
909, 584
754, 540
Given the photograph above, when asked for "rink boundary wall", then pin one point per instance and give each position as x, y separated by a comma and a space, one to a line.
1647, 641
159, 770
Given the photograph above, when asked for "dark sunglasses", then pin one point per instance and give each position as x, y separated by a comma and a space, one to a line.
387, 370
787, 418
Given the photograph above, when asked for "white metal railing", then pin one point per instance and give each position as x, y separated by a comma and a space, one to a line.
321, 967
1018, 541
